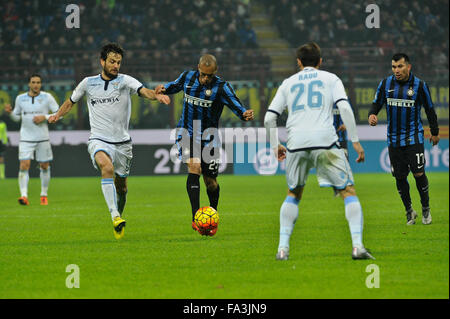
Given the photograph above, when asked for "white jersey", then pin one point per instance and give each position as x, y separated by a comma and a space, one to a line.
309, 96
109, 104
26, 108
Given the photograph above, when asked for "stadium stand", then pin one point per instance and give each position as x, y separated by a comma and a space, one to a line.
418, 26
253, 40
154, 33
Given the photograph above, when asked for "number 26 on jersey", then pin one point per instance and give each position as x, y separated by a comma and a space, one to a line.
314, 96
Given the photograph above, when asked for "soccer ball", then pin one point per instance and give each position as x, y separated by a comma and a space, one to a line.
207, 219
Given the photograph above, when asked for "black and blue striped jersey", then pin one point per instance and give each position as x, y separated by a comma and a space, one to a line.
404, 100
203, 103
337, 121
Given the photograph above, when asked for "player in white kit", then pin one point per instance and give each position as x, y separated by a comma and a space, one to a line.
109, 145
32, 109
309, 96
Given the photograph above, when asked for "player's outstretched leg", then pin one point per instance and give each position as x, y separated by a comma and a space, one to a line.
288, 217
422, 187
45, 181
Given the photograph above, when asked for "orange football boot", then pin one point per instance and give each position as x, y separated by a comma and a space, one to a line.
23, 200
44, 200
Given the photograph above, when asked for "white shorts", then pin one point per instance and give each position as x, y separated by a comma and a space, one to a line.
120, 155
43, 151
332, 168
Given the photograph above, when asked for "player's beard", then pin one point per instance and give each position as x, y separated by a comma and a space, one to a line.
36, 91
110, 75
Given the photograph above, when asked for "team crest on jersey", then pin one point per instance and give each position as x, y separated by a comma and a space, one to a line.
410, 92
115, 85
208, 92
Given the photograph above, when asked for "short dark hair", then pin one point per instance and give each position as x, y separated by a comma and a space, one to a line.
400, 55
34, 75
309, 54
110, 47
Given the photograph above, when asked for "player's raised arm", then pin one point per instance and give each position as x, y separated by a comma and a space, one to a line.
152, 95
16, 113
230, 99
63, 110
172, 87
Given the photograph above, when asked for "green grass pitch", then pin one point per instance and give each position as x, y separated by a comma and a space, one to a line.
162, 257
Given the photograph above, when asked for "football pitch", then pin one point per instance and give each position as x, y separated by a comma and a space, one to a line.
161, 257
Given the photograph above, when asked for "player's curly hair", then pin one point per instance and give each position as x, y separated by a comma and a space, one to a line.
110, 47
309, 54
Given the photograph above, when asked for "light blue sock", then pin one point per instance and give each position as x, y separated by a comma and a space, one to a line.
24, 177
354, 215
45, 180
109, 192
288, 217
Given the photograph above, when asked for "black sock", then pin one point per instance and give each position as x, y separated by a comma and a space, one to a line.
214, 197
121, 201
403, 190
422, 187
193, 190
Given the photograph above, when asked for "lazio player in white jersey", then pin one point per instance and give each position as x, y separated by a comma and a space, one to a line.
309, 96
109, 145
32, 108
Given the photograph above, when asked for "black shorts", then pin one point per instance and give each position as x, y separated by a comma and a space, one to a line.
210, 155
407, 159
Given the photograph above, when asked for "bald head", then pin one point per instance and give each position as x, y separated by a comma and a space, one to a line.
208, 60
207, 68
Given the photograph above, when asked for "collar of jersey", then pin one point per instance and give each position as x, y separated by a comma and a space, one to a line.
28, 93
214, 79
101, 77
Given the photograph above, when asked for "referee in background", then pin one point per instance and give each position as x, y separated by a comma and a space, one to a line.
404, 95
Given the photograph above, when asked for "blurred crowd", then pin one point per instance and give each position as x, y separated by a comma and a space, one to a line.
340, 24
162, 38
151, 31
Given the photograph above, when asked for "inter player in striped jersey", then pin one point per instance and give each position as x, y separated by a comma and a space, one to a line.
205, 95
109, 145
404, 95
309, 96
32, 109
